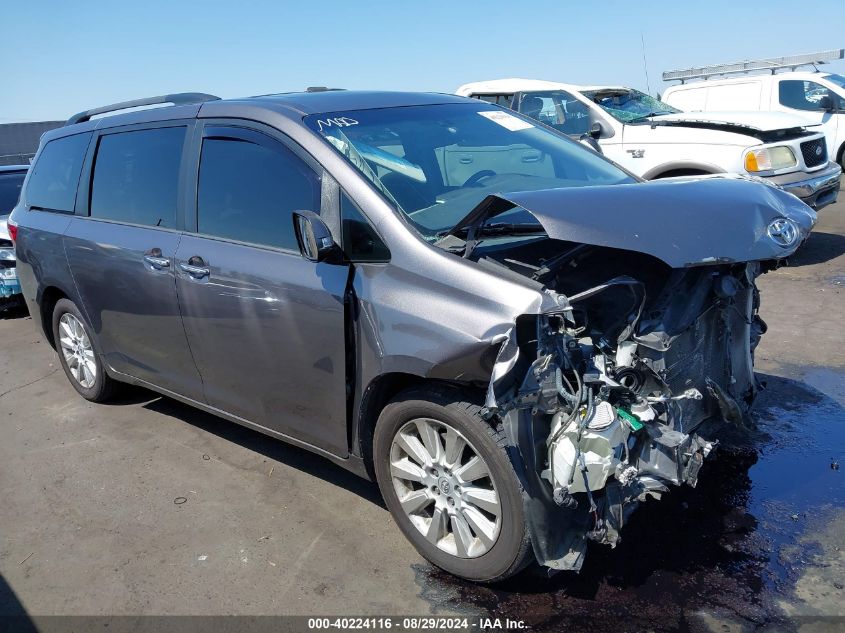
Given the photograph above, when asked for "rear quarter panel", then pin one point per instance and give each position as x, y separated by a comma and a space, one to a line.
41, 255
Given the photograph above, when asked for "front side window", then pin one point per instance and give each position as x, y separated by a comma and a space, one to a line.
802, 95
839, 96
136, 176
454, 155
361, 242
55, 175
558, 109
628, 105
248, 191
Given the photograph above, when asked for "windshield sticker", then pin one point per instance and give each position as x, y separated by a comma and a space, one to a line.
506, 120
338, 121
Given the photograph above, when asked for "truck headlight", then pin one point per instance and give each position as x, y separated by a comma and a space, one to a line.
769, 158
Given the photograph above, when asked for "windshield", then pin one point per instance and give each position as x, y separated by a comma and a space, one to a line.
435, 163
838, 80
627, 105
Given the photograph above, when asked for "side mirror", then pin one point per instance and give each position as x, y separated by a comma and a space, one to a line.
315, 240
597, 130
826, 103
591, 142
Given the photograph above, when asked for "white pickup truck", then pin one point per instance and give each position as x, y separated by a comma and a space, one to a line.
654, 140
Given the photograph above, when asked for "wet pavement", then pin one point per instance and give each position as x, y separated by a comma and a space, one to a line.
759, 544
727, 553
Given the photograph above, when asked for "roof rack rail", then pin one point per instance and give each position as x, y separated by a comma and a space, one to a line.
321, 89
181, 98
773, 64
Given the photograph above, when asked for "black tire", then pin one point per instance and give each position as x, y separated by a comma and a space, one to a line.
104, 386
512, 550
676, 173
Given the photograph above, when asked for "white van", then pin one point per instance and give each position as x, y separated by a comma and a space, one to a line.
817, 96
654, 140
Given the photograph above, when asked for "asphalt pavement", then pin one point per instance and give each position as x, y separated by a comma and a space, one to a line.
147, 506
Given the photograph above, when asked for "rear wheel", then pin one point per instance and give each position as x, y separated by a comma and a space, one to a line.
78, 354
447, 480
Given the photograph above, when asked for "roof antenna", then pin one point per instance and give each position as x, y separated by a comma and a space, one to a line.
645, 64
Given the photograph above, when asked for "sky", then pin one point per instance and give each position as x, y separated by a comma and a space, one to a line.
62, 57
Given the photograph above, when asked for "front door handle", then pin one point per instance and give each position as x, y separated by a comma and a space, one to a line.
153, 258
195, 267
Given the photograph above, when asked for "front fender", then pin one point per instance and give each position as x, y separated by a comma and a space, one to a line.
686, 165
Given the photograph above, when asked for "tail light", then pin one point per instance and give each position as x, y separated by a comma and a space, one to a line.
13, 230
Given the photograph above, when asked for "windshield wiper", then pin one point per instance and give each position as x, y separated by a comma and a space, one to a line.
648, 116
499, 228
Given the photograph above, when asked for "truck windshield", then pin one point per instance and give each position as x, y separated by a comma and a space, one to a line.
838, 80
435, 163
628, 105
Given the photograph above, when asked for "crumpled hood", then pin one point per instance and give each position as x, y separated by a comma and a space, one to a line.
683, 222
760, 121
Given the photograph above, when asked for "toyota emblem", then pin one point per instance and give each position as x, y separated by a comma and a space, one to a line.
783, 231
818, 150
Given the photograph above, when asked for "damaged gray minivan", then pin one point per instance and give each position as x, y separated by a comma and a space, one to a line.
517, 339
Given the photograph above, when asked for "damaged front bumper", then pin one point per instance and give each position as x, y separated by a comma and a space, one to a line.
598, 422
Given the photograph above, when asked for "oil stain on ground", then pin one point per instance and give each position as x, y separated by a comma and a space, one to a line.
737, 553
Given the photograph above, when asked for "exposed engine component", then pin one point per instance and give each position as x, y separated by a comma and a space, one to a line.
624, 397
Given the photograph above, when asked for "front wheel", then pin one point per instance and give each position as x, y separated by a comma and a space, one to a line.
449, 484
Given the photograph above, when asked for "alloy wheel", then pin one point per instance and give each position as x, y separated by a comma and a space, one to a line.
77, 350
445, 488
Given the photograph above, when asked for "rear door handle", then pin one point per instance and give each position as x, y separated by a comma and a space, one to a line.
195, 267
157, 262
153, 258
197, 272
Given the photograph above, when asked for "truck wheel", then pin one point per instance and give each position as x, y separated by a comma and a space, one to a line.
78, 353
449, 484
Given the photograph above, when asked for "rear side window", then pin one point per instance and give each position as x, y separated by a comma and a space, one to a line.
502, 100
55, 175
10, 190
248, 191
136, 176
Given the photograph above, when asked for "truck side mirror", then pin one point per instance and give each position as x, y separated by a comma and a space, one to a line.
826, 103
596, 130
314, 237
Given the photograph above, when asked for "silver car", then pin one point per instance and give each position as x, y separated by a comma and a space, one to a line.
515, 337
11, 181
